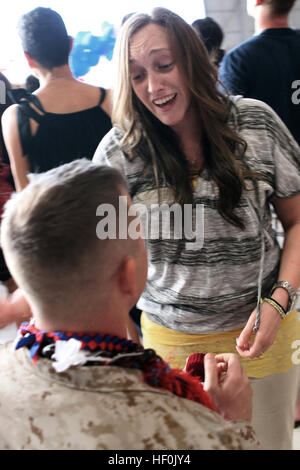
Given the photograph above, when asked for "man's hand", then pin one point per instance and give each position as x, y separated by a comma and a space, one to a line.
228, 386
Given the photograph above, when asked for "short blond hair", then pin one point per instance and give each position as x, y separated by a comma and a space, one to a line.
49, 236
279, 7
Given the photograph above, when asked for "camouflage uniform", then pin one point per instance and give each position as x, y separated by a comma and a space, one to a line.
102, 407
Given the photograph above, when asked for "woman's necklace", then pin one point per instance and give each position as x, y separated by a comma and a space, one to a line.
195, 163
194, 157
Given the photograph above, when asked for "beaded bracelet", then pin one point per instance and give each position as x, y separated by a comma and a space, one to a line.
276, 305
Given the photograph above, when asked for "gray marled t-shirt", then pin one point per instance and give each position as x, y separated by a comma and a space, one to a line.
214, 288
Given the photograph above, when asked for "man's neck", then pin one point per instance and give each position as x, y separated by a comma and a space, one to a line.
113, 323
263, 22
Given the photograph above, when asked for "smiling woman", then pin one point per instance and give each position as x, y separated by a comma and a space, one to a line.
156, 79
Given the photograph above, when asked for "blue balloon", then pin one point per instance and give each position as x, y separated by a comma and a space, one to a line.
87, 49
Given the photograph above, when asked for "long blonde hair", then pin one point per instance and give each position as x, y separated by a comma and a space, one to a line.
156, 143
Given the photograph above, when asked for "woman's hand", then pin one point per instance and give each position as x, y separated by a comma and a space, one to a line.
14, 309
264, 337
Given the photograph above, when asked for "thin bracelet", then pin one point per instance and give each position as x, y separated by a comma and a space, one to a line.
276, 305
279, 305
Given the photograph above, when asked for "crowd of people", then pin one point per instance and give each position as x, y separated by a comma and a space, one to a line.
208, 361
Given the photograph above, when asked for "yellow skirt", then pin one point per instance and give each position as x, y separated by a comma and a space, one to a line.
174, 346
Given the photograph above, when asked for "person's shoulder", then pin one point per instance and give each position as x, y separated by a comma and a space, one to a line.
251, 105
10, 112
110, 146
94, 90
104, 95
203, 428
243, 46
253, 115
86, 86
112, 140
9, 359
8, 120
107, 100
244, 50
259, 120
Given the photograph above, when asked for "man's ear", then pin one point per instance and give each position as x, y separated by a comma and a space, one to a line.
127, 281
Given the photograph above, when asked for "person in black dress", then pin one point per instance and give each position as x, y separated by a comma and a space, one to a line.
65, 119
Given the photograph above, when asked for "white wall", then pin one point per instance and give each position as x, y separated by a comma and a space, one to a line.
233, 18
295, 16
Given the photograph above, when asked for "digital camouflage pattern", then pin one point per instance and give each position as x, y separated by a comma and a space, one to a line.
101, 407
